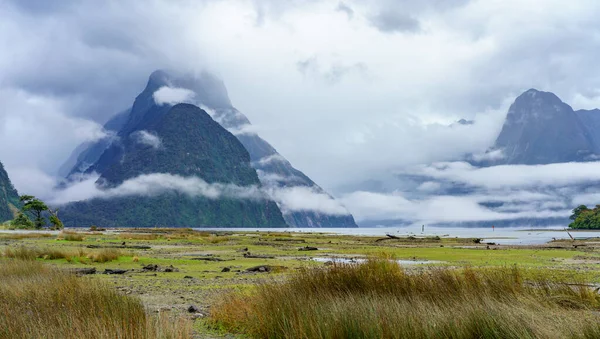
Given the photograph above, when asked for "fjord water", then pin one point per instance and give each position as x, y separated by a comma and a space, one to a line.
500, 235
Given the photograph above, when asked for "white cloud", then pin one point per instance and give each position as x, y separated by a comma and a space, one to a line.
245, 129
36, 134
493, 155
274, 158
429, 186
147, 138
436, 209
516, 176
173, 95
290, 199
302, 198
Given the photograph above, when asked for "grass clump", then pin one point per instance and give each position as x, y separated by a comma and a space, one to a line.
105, 255
21, 236
378, 299
71, 236
37, 301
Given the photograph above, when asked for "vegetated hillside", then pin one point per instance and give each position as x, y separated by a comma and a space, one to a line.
9, 198
274, 170
186, 142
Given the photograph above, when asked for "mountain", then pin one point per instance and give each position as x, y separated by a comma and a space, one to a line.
179, 147
541, 129
9, 198
210, 93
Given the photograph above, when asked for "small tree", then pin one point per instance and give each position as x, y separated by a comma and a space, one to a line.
22, 221
55, 221
36, 206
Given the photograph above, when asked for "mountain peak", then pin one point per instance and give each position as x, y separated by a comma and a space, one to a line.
541, 129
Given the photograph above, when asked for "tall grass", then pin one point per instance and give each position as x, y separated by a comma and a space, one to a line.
378, 299
38, 301
20, 236
100, 256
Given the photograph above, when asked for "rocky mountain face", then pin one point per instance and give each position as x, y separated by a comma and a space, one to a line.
188, 150
541, 129
208, 92
9, 198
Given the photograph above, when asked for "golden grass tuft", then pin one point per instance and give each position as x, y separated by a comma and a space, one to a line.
37, 301
20, 236
104, 255
378, 299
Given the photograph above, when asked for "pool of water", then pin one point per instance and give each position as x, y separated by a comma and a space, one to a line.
361, 260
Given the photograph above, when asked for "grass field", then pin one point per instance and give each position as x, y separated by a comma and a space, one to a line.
201, 268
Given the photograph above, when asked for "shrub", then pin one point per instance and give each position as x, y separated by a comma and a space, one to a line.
70, 236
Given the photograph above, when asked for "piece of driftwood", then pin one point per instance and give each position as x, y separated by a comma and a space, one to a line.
258, 256
83, 271
389, 236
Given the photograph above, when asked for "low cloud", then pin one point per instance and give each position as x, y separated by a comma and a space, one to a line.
173, 95
513, 176
244, 130
274, 158
494, 155
289, 199
302, 198
450, 209
146, 138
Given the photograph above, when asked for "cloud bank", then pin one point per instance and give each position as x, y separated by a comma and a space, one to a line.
289, 200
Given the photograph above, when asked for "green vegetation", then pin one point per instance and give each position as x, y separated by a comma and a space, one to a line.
585, 218
37, 301
378, 299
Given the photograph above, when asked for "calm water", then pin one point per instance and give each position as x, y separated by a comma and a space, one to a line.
499, 235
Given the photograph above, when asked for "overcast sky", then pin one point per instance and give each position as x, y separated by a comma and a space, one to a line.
347, 91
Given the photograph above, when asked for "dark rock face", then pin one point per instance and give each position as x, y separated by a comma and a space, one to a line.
541, 129
210, 92
9, 198
184, 142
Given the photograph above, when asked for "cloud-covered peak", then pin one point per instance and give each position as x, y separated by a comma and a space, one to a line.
207, 89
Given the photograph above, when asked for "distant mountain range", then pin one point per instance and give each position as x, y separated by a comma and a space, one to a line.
9, 198
117, 158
